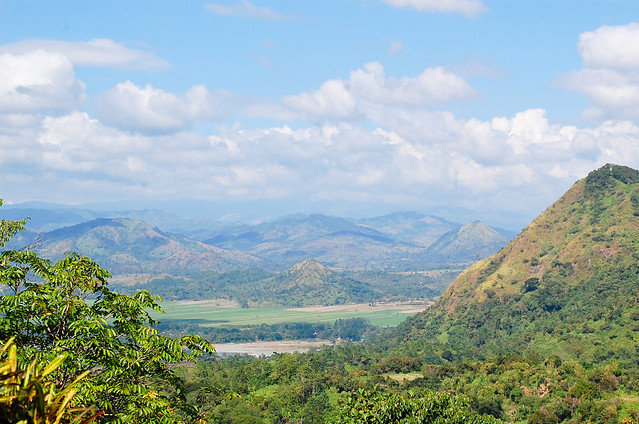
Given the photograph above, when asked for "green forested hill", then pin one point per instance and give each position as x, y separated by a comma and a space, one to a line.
311, 283
566, 285
307, 283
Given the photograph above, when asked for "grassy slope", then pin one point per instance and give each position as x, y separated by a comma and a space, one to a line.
566, 285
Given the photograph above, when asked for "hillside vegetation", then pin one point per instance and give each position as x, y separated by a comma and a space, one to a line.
544, 331
567, 285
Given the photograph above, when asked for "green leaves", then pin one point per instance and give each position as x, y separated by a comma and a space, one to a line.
9, 228
67, 309
376, 407
26, 396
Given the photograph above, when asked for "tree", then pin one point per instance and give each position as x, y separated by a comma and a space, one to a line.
67, 308
376, 407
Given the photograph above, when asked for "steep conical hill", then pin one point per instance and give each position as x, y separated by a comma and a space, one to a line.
311, 283
568, 284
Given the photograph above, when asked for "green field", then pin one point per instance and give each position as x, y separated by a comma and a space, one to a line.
212, 314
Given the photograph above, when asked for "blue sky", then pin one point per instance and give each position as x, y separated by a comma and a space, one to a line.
351, 107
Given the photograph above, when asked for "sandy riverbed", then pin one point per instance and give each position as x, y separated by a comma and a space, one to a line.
269, 348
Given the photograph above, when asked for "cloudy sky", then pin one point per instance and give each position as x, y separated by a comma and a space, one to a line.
347, 107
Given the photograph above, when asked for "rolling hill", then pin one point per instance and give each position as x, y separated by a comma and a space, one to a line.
127, 246
566, 285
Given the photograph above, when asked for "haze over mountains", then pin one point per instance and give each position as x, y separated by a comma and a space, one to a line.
137, 252
396, 241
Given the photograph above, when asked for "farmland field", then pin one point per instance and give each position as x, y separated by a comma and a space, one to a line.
225, 313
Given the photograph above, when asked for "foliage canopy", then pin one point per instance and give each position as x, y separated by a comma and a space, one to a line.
66, 308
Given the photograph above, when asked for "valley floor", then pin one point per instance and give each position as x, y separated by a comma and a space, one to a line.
220, 312
269, 348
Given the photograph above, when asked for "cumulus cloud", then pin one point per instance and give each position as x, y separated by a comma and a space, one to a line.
410, 156
96, 52
245, 8
38, 81
497, 158
612, 94
611, 47
405, 152
470, 8
333, 100
434, 86
151, 109
610, 79
367, 87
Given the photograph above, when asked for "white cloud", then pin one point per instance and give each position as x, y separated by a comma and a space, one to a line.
368, 87
96, 52
470, 8
434, 86
413, 157
473, 156
406, 153
611, 93
131, 107
333, 100
38, 81
245, 8
611, 47
610, 79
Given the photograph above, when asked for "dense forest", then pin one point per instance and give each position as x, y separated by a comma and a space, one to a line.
328, 385
545, 331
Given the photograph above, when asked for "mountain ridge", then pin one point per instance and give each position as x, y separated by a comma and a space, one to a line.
125, 246
567, 274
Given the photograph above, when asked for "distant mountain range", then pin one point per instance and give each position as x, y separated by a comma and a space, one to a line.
336, 242
127, 246
471, 242
380, 251
396, 242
